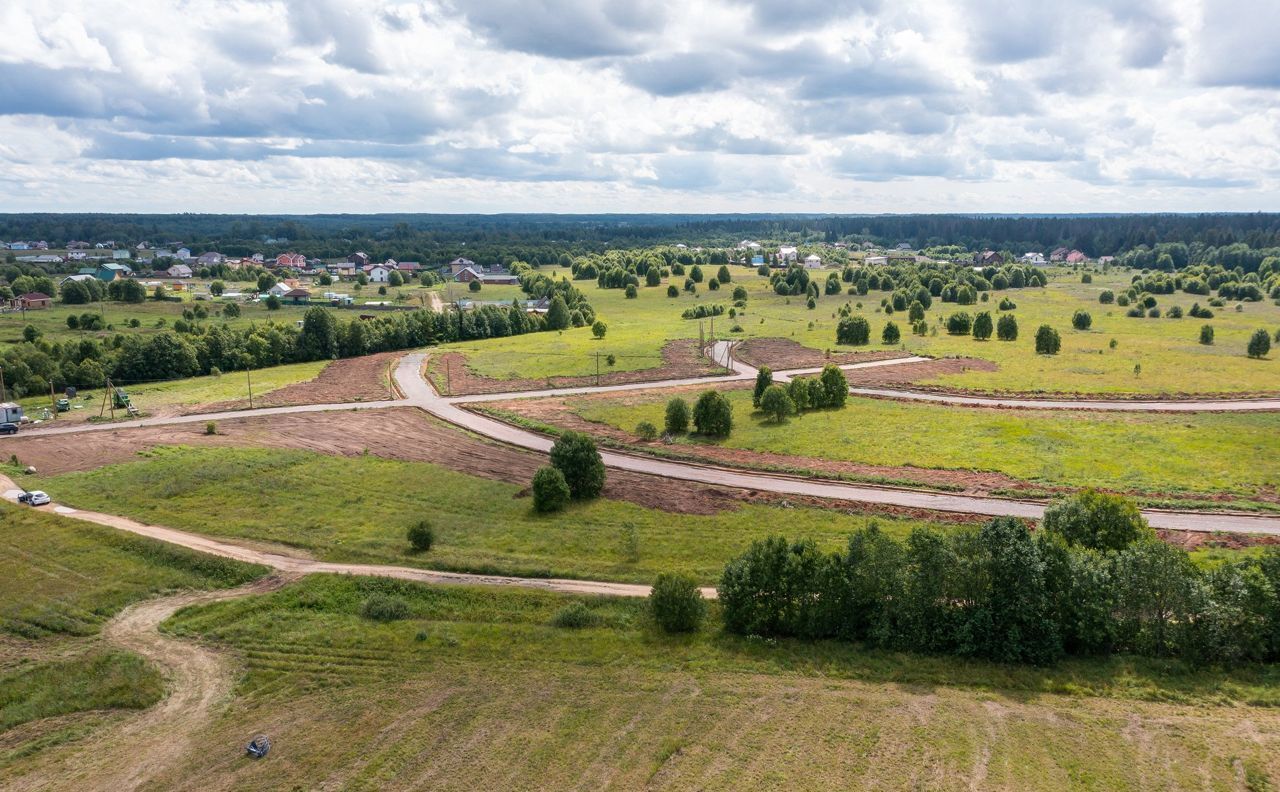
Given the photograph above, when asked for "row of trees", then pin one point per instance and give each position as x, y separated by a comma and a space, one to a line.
1094, 580
828, 390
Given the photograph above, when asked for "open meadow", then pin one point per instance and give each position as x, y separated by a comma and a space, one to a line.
1150, 356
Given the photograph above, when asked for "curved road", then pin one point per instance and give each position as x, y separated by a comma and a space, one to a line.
419, 393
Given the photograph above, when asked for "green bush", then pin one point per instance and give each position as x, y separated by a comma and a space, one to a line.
677, 417
1259, 344
676, 602
211, 428
421, 536
713, 415
853, 330
1048, 342
1107, 297
646, 430
672, 291
575, 616
891, 334
1081, 320
574, 454
1096, 520
384, 608
474, 286
1206, 335
550, 490
776, 404
959, 323
982, 326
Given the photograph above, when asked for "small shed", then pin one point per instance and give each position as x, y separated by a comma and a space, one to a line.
10, 412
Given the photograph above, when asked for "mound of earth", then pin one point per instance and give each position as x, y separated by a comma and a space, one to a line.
781, 354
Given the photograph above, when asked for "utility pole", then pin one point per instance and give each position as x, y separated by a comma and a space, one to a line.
4, 394
597, 369
249, 378
53, 402
111, 399
448, 374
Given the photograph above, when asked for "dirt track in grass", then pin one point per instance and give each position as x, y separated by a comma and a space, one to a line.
347, 380
783, 353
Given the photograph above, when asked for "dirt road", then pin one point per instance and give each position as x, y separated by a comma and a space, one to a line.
199, 680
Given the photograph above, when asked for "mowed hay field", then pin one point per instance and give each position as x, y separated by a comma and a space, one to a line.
1170, 358
358, 509
1197, 454
476, 690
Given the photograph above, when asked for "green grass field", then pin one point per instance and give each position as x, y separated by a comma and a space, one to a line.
181, 394
60, 580
475, 689
1142, 452
1166, 350
358, 509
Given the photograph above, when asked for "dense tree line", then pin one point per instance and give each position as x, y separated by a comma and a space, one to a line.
1095, 580
198, 348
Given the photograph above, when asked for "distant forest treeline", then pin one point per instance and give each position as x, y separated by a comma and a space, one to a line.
492, 238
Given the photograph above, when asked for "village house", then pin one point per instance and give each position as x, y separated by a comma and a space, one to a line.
812, 261
294, 260
31, 301
1076, 257
380, 273
360, 259
787, 254
178, 271
210, 258
459, 264
988, 258
1059, 254
876, 261
1034, 259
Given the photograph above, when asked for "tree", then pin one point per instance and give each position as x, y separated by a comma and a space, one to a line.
723, 275
676, 603
695, 274
1259, 344
631, 292
853, 330
891, 334
265, 281
677, 416
30, 333
1081, 320
764, 378
672, 291
550, 490
835, 388
75, 293
713, 415
574, 454
318, 339
159, 294
915, 312
982, 326
474, 286
421, 536
217, 288
231, 310
1011, 618
653, 277
557, 313
1206, 335
395, 279
1107, 297
1007, 328
272, 302
1048, 342
959, 323
1096, 520
776, 404
599, 328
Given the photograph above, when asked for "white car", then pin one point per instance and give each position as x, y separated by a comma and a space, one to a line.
34, 498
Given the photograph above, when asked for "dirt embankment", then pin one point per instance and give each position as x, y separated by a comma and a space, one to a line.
911, 373
452, 376
347, 380
781, 354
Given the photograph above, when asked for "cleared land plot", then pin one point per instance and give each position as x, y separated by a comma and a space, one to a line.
1167, 351
475, 690
358, 509
1200, 455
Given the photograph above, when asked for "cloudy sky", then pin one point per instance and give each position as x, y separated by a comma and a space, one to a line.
639, 105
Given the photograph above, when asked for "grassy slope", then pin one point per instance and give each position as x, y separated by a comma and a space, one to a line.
1168, 351
475, 690
62, 576
60, 579
1204, 453
190, 392
359, 509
